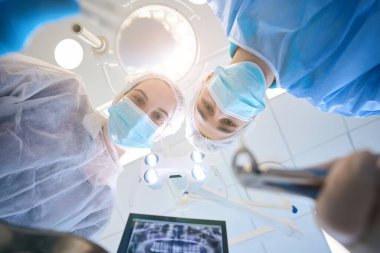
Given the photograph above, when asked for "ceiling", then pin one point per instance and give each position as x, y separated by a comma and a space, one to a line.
104, 19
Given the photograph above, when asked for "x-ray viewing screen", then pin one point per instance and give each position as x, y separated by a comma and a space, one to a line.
161, 234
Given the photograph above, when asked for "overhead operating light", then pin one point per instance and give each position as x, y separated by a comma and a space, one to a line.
151, 160
155, 169
68, 54
197, 156
150, 177
159, 39
198, 173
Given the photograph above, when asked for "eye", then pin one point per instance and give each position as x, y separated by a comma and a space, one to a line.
138, 100
158, 118
208, 107
229, 123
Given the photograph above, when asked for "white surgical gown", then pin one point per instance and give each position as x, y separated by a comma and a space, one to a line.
55, 167
327, 51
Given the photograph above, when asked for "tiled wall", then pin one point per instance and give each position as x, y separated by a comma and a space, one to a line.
291, 132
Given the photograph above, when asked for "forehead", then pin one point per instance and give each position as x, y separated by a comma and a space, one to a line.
159, 94
152, 83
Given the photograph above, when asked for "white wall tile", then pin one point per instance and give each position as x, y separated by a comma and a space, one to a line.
248, 246
236, 192
116, 224
239, 223
177, 212
280, 205
353, 123
172, 139
127, 187
138, 197
180, 148
367, 137
152, 201
217, 161
312, 240
264, 140
303, 126
236, 222
289, 164
335, 148
111, 244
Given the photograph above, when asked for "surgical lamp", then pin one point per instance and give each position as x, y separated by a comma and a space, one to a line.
155, 169
152, 38
99, 44
156, 38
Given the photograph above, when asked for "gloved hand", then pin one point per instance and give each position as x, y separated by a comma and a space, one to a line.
19, 18
348, 206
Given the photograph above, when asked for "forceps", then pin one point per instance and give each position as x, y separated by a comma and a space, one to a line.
307, 182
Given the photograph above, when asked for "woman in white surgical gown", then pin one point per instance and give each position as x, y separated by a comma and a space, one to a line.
57, 171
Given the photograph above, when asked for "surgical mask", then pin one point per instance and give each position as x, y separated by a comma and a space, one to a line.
239, 90
130, 127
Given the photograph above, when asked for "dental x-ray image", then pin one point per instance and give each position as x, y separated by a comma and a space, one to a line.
148, 234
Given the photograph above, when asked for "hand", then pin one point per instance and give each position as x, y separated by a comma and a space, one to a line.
348, 206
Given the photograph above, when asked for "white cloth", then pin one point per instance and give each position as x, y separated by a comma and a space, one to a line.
55, 173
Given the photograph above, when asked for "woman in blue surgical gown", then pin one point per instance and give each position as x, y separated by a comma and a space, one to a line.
327, 51
58, 168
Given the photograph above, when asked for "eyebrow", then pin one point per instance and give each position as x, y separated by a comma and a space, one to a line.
203, 115
142, 93
164, 112
225, 130
204, 101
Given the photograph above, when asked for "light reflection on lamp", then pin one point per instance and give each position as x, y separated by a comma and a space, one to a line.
151, 160
151, 177
156, 38
197, 156
198, 173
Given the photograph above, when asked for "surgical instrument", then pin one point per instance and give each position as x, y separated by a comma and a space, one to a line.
307, 182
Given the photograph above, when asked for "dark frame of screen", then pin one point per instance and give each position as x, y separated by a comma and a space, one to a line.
124, 243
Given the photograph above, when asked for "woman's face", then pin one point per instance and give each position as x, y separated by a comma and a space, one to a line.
155, 98
210, 121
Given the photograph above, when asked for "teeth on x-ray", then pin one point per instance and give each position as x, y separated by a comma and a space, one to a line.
173, 238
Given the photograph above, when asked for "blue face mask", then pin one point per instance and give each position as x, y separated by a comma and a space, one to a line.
129, 127
239, 90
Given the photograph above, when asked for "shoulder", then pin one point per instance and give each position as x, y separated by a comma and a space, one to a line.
24, 77
22, 65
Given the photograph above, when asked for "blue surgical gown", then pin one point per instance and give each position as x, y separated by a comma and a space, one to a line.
327, 51
56, 170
